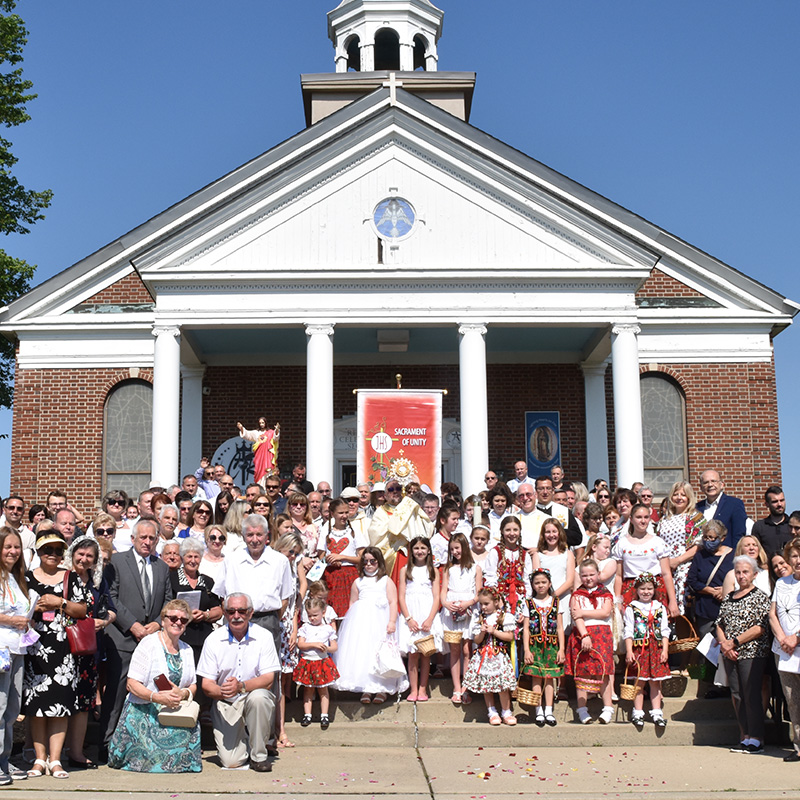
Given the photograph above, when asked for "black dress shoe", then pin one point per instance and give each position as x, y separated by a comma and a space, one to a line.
261, 766
324, 723
792, 757
75, 764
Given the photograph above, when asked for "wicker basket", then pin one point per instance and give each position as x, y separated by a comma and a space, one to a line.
529, 697
453, 637
686, 642
426, 646
584, 682
628, 691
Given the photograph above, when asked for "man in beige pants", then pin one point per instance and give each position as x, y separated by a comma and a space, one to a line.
238, 667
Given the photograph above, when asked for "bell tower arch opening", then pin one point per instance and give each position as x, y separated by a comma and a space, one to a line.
387, 50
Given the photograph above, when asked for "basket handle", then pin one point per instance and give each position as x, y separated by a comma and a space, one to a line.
591, 654
691, 627
638, 671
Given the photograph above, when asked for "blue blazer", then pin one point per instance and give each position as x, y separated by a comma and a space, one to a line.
731, 513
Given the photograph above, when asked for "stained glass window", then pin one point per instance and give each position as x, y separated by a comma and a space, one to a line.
127, 437
663, 433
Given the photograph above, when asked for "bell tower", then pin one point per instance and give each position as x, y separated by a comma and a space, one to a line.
380, 43
394, 35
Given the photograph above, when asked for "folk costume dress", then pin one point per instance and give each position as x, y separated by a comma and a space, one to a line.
680, 532
490, 668
362, 632
599, 630
315, 668
419, 600
461, 585
541, 617
647, 624
340, 576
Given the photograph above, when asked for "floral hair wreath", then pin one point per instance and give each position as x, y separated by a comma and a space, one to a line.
645, 577
541, 571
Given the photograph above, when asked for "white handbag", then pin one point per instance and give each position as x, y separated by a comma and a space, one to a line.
388, 662
184, 716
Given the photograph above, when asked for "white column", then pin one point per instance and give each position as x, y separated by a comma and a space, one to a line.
319, 403
192, 418
166, 404
594, 388
406, 57
367, 57
627, 404
474, 406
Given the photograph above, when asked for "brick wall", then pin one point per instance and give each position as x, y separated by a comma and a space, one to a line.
129, 289
659, 284
57, 432
243, 394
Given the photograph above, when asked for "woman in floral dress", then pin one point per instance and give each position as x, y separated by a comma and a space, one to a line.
681, 528
51, 675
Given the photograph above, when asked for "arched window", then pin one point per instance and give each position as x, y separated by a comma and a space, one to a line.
127, 437
663, 432
420, 51
387, 50
354, 54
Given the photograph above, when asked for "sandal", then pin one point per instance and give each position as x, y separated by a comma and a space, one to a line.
37, 773
58, 772
412, 698
284, 742
379, 698
366, 699
509, 720
422, 697
456, 698
494, 720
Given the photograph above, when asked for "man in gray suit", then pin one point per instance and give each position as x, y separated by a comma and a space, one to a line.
140, 587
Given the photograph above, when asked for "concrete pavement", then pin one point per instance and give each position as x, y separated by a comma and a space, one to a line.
459, 773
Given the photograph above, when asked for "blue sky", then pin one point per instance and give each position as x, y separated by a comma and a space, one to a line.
685, 112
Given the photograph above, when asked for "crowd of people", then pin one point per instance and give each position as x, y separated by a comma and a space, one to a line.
209, 603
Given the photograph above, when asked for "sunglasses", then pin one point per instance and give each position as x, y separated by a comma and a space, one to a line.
352, 500
257, 505
393, 489
14, 508
176, 620
105, 531
204, 511
51, 550
214, 538
300, 505
237, 612
273, 488
116, 503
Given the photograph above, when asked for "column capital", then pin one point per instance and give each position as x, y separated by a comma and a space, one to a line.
594, 368
166, 330
190, 371
625, 327
472, 327
319, 329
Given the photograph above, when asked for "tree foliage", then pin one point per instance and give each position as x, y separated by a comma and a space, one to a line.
19, 207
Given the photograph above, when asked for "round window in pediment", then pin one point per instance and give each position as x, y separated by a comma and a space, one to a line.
394, 219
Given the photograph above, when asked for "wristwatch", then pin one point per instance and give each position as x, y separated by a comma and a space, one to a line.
736, 641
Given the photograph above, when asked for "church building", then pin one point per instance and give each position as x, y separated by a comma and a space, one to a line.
391, 237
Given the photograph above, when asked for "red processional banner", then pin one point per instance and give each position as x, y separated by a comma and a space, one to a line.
400, 436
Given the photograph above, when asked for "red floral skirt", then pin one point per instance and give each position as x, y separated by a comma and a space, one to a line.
339, 579
315, 673
629, 592
648, 657
589, 666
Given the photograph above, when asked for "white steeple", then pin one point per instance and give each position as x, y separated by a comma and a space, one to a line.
394, 35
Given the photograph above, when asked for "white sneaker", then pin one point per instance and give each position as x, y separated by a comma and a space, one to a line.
606, 715
583, 716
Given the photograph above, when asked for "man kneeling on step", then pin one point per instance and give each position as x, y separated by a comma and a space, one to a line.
238, 666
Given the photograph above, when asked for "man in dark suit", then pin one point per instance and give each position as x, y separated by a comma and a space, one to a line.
140, 587
728, 510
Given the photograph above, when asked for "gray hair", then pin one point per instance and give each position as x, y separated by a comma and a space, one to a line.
190, 545
751, 562
717, 527
168, 507
171, 543
144, 521
235, 596
255, 521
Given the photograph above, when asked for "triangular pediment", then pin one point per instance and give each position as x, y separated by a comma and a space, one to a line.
305, 208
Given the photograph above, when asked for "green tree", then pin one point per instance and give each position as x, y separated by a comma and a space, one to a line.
19, 207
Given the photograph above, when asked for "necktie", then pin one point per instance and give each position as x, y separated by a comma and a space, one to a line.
146, 590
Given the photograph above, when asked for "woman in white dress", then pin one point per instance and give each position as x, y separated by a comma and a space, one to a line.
553, 554
371, 620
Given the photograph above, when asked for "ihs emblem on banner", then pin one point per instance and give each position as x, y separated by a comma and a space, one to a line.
381, 443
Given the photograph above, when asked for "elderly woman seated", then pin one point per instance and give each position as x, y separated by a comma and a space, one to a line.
141, 743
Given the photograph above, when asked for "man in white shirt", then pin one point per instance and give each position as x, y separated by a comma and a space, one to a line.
261, 573
13, 508
521, 471
530, 518
238, 666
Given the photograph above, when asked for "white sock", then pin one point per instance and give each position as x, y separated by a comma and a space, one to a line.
539, 711
583, 712
638, 713
506, 712
656, 713
492, 711
548, 710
